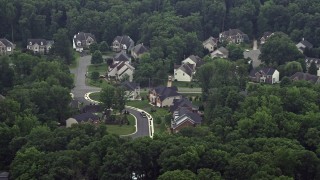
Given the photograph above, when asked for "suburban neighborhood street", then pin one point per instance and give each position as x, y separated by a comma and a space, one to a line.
142, 124
81, 88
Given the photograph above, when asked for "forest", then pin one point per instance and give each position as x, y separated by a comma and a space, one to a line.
250, 131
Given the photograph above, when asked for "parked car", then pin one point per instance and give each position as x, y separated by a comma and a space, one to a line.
143, 114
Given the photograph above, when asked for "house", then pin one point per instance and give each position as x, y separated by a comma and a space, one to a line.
264, 75
2, 97
195, 60
298, 76
4, 175
75, 104
132, 90
138, 50
82, 40
183, 117
183, 102
210, 44
303, 44
309, 60
184, 72
233, 36
121, 57
121, 70
40, 46
266, 35
87, 117
124, 43
6, 47
163, 96
220, 53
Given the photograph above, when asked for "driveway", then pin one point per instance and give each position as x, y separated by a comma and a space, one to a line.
254, 56
79, 72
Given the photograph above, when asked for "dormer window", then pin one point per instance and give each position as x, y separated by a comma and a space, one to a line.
78, 43
30, 43
41, 43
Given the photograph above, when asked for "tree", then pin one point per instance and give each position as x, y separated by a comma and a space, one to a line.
96, 57
107, 96
103, 46
94, 47
235, 52
178, 174
278, 50
6, 75
62, 46
292, 67
313, 68
95, 75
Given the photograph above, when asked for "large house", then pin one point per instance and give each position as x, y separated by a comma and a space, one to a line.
121, 70
210, 44
220, 53
265, 37
183, 117
41, 46
184, 72
132, 90
264, 75
83, 40
298, 76
233, 36
183, 102
309, 60
121, 57
304, 44
87, 117
122, 43
6, 47
195, 60
163, 96
138, 50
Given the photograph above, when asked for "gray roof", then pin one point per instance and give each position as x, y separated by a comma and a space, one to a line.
4, 175
266, 35
232, 32
139, 49
266, 71
121, 56
37, 41
82, 36
186, 114
306, 43
187, 68
126, 40
305, 76
131, 86
6, 42
211, 40
183, 102
165, 92
223, 50
91, 108
85, 117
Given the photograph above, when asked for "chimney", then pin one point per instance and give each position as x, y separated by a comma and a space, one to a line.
169, 84
303, 39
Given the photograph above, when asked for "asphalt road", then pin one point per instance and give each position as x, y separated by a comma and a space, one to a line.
142, 124
81, 88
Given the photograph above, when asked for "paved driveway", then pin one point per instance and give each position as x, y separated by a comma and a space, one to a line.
254, 56
143, 124
81, 88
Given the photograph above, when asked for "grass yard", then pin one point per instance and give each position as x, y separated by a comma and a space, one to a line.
124, 129
74, 63
101, 68
186, 84
95, 96
99, 83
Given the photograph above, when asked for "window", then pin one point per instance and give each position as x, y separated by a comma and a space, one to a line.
175, 74
183, 74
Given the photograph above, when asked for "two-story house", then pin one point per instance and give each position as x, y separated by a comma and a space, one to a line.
265, 37
183, 117
138, 50
132, 90
210, 44
304, 44
120, 71
186, 71
41, 46
82, 40
233, 36
264, 75
222, 52
122, 43
298, 76
121, 57
6, 47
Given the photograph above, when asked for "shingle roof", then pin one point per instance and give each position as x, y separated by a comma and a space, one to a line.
211, 40
92, 108
184, 114
130, 85
223, 50
305, 76
266, 35
121, 56
82, 36
139, 49
232, 32
85, 117
183, 102
310, 60
124, 40
165, 92
6, 42
306, 43
187, 68
37, 41
266, 71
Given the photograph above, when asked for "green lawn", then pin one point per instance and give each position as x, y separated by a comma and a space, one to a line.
101, 68
95, 96
124, 129
74, 63
186, 84
99, 83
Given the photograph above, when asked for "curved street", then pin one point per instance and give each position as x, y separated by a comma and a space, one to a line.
81, 92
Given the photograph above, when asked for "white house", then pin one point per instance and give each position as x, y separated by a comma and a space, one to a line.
82, 40
184, 72
121, 70
6, 47
210, 44
132, 90
221, 53
233, 36
195, 60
